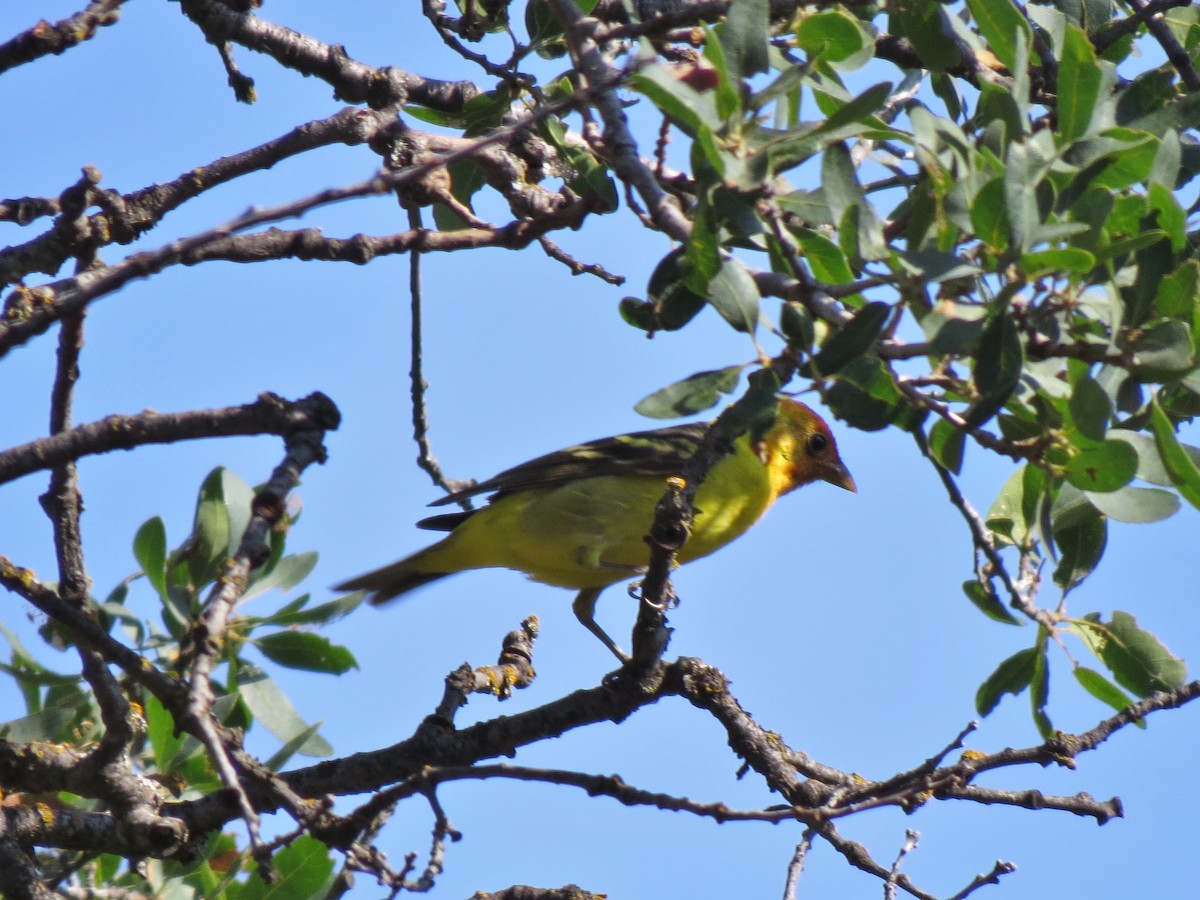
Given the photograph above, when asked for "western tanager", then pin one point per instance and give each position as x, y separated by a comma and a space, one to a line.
577, 518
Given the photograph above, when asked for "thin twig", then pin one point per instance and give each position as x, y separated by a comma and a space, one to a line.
796, 866
558, 254
911, 839
418, 385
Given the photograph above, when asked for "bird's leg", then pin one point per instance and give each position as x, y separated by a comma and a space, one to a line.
585, 611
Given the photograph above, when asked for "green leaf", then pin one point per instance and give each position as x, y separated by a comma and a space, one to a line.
865, 396
1139, 661
1024, 169
20, 654
986, 601
827, 260
321, 614
857, 109
209, 542
853, 339
1136, 505
1163, 353
45, 725
280, 757
150, 550
1000, 23
946, 444
796, 323
693, 394
1165, 171
1079, 81
304, 868
787, 83
671, 304
1090, 408
744, 37
285, 575
861, 233
545, 34
642, 314
1015, 510
1011, 677
239, 500
1104, 466
735, 296
833, 37
702, 252
271, 706
160, 731
935, 267
688, 108
1169, 215
1048, 262
839, 181
306, 650
1039, 694
1081, 539
728, 88
989, 218
1126, 246
1179, 465
1150, 466
997, 367
1104, 690
927, 26
1179, 293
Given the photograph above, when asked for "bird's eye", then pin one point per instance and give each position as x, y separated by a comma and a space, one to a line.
817, 444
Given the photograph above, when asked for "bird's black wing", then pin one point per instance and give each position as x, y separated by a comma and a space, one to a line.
662, 451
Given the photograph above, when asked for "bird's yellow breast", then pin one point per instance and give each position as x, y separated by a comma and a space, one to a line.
590, 532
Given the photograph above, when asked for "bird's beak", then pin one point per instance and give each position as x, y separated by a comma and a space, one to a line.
836, 473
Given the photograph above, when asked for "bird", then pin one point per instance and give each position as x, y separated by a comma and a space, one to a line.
577, 518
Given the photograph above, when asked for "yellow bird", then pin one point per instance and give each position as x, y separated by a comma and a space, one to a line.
577, 518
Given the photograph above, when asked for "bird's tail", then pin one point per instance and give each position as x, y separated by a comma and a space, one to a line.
393, 580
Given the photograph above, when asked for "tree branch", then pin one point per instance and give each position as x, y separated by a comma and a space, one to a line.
270, 414
43, 38
354, 82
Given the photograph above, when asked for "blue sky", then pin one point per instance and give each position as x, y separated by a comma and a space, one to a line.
839, 619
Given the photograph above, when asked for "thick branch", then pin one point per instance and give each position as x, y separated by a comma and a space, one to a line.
269, 414
354, 82
434, 744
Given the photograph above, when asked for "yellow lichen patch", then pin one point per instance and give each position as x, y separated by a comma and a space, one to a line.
46, 813
918, 799
972, 755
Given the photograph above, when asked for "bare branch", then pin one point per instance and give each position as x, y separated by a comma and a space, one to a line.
1176, 55
43, 38
620, 145
125, 217
420, 412
355, 82
514, 669
30, 311
269, 414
